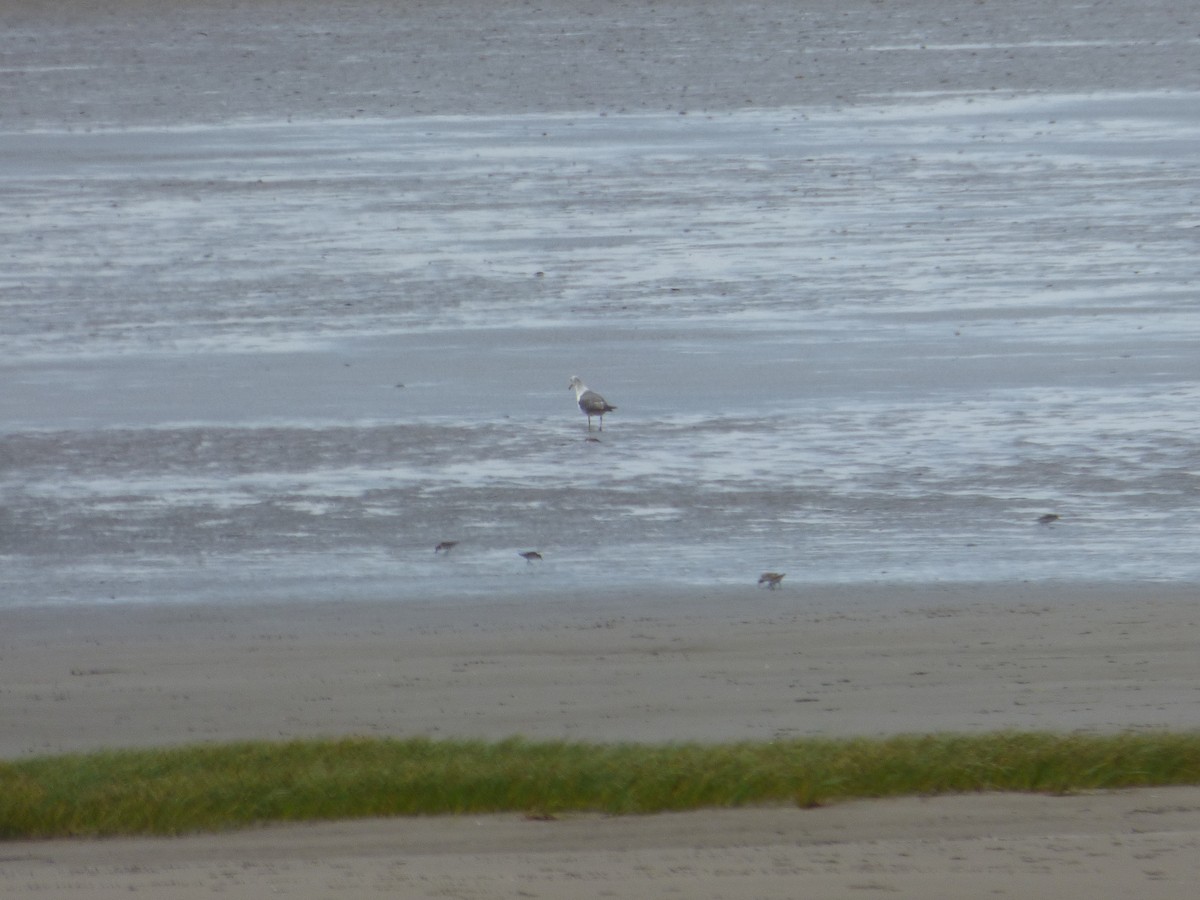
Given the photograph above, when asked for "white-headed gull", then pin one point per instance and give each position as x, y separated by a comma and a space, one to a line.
591, 403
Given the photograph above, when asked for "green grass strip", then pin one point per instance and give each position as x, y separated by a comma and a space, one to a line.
216, 787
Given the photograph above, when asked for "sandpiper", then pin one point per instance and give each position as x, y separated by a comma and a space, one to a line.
1048, 519
445, 546
530, 555
771, 579
590, 403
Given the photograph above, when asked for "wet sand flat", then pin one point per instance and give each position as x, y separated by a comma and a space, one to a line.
292, 294
116, 63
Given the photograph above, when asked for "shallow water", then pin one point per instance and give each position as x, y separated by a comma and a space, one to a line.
276, 359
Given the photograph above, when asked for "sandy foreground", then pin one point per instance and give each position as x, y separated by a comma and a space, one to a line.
724, 664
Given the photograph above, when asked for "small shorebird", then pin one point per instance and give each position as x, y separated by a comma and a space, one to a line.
591, 403
771, 579
445, 546
530, 555
1048, 519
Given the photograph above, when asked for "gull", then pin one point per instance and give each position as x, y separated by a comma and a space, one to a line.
770, 579
445, 546
591, 403
530, 555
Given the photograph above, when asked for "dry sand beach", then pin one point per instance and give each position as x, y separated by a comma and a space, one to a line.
1137, 844
730, 665
87, 663
746, 664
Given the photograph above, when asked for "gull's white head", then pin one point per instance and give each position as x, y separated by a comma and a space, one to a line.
576, 384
